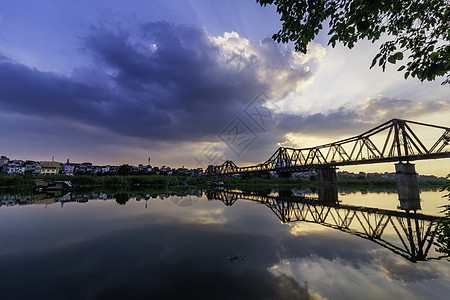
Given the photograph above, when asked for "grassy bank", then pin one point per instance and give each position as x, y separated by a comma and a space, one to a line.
157, 182
388, 182
26, 181
384, 182
164, 182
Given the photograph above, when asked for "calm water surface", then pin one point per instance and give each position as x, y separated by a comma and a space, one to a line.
221, 245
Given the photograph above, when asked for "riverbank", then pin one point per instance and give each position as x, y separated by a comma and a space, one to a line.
157, 182
164, 182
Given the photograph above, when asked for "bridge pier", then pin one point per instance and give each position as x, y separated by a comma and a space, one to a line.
408, 205
326, 176
407, 186
328, 193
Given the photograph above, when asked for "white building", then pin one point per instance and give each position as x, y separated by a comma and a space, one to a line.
33, 167
16, 167
69, 169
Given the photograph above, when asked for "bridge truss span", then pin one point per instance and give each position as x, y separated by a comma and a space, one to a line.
395, 140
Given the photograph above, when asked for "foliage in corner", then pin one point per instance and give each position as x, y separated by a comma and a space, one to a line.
443, 237
447, 187
416, 29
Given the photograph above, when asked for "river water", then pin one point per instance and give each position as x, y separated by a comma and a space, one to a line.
222, 245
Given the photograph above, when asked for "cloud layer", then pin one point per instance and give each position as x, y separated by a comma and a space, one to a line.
155, 86
359, 117
158, 81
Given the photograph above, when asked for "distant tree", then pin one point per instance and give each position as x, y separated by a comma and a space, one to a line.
246, 175
28, 173
418, 29
79, 172
447, 187
122, 199
140, 172
124, 170
442, 241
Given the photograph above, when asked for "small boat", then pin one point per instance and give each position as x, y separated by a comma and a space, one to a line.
45, 185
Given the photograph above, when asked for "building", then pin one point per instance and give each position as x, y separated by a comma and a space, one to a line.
4, 161
16, 167
32, 167
49, 167
84, 168
198, 172
69, 169
165, 170
96, 169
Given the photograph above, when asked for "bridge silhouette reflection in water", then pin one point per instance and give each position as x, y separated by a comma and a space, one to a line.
405, 233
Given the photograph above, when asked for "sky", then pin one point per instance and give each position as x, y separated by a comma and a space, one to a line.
114, 82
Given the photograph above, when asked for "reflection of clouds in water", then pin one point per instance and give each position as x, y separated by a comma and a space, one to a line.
395, 268
304, 228
207, 217
184, 201
160, 261
384, 276
129, 248
283, 270
336, 279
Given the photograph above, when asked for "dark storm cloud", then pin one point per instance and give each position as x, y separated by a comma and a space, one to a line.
329, 123
167, 83
386, 108
158, 81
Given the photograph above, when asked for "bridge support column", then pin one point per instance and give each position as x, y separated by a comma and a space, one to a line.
326, 176
328, 193
407, 186
410, 205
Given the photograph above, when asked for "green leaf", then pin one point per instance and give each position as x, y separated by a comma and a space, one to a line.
392, 59
374, 61
434, 56
399, 55
401, 68
406, 75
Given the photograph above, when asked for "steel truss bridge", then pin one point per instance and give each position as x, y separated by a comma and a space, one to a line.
409, 235
389, 142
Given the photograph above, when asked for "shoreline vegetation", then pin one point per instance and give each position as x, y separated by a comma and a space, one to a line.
164, 182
